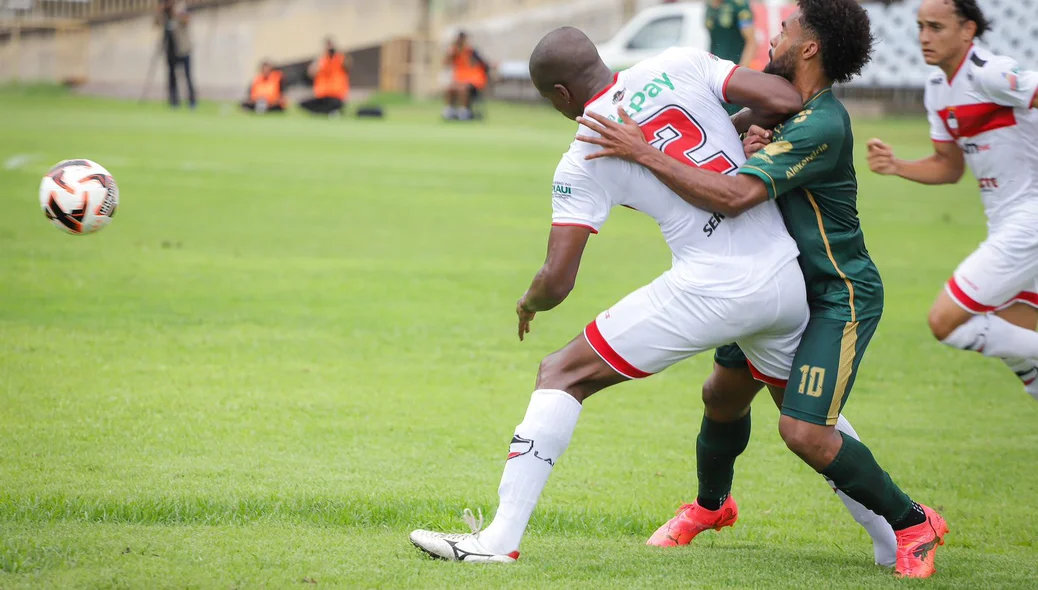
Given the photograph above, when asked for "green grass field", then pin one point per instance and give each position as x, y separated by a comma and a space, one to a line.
296, 343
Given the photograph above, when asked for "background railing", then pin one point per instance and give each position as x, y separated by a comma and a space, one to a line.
41, 12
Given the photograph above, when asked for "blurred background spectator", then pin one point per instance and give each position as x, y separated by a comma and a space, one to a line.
732, 35
266, 94
469, 76
174, 18
331, 75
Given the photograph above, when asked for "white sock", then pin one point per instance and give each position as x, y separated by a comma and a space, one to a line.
538, 443
1027, 371
990, 335
884, 543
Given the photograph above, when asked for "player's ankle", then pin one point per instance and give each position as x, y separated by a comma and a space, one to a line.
711, 504
914, 516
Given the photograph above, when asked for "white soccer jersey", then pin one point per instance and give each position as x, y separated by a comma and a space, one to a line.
985, 109
676, 98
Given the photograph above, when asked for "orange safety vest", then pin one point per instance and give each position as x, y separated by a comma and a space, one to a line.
267, 88
469, 71
331, 80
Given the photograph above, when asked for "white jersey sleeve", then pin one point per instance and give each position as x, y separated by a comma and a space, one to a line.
1004, 83
716, 72
577, 198
938, 132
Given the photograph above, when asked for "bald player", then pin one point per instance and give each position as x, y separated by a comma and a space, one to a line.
731, 279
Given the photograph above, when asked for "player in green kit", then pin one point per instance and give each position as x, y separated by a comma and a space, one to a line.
732, 36
807, 164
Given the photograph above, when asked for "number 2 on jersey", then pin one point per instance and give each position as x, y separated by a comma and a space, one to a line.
676, 133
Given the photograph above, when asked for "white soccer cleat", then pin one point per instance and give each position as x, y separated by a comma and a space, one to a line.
460, 546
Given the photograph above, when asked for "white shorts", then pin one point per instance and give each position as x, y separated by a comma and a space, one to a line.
660, 325
1001, 272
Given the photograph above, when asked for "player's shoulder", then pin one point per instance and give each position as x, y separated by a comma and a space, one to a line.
684, 56
824, 116
936, 88
986, 67
936, 78
813, 128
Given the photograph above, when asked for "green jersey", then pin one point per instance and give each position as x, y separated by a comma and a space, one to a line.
809, 168
725, 23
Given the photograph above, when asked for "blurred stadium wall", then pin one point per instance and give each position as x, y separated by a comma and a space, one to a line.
107, 46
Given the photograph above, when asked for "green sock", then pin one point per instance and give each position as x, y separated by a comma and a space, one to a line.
856, 473
717, 446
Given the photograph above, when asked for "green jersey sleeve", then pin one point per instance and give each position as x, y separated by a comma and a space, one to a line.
803, 150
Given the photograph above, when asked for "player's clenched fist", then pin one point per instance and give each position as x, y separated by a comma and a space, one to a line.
756, 139
881, 157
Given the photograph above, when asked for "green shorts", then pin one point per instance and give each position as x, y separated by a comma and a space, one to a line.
824, 367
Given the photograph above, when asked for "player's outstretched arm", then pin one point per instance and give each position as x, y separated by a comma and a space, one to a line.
945, 166
554, 282
771, 99
707, 190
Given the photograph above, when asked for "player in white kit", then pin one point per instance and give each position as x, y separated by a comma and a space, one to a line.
983, 110
733, 279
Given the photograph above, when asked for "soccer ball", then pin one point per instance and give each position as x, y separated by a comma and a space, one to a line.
79, 196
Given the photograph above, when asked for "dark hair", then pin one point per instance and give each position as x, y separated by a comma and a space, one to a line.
843, 30
969, 10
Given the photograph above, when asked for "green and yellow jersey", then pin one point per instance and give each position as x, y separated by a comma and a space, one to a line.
809, 168
725, 23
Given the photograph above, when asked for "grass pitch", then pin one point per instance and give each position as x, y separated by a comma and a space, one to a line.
296, 343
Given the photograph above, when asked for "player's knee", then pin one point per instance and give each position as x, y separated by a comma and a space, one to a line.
556, 372
713, 397
798, 436
942, 324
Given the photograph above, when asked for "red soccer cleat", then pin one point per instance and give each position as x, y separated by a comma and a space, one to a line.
691, 520
917, 545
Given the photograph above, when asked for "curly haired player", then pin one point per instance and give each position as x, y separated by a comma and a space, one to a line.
982, 110
807, 165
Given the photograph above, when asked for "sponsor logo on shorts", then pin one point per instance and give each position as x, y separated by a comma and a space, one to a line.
563, 189
976, 148
987, 184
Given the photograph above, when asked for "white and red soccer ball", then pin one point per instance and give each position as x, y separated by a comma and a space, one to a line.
79, 196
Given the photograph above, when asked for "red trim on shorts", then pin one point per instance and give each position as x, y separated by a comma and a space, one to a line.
601, 93
724, 88
611, 357
942, 140
964, 300
1025, 297
584, 225
774, 381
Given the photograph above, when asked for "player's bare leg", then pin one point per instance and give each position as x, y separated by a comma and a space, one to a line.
1008, 334
566, 378
727, 395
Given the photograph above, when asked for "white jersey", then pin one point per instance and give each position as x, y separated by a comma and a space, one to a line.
676, 98
985, 109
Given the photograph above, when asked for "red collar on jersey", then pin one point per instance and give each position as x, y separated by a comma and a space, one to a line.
964, 58
616, 76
